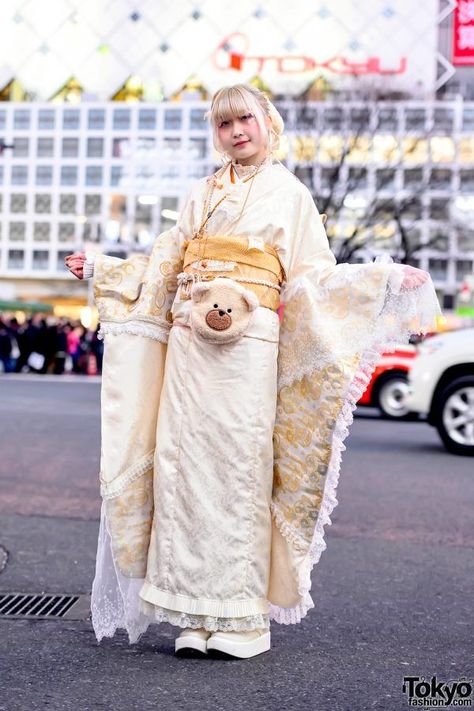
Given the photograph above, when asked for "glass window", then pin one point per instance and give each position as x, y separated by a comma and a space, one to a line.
330, 148
46, 119
1, 174
169, 212
333, 119
93, 204
67, 204
68, 175
70, 147
327, 178
306, 118
439, 209
438, 238
415, 150
438, 269
121, 119
66, 231
305, 174
387, 119
415, 119
147, 119
16, 259
440, 179
146, 147
61, 256
17, 231
413, 178
143, 213
413, 208
45, 147
197, 120
1, 201
95, 147
443, 120
96, 119
358, 149
3, 120
358, 179
359, 119
171, 147
385, 179
465, 237
173, 119
118, 176
21, 119
71, 119
17, 202
41, 231
19, 174
120, 148
463, 269
21, 147
94, 175
466, 150
40, 259
442, 149
468, 121
197, 148
466, 178
44, 175
385, 149
42, 203
304, 148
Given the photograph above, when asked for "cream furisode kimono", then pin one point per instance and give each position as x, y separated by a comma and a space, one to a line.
220, 462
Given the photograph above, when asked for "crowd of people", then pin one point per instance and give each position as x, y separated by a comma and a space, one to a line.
46, 344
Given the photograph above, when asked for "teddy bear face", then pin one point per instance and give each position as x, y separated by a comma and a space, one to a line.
221, 310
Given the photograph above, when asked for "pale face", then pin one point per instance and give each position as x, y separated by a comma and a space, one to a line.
241, 138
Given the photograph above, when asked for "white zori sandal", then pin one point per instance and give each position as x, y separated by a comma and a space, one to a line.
192, 639
240, 644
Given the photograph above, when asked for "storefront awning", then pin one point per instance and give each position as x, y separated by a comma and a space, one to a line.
32, 306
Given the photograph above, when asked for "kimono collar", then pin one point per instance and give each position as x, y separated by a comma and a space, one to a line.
242, 171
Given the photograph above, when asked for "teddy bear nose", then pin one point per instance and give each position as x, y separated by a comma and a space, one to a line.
218, 320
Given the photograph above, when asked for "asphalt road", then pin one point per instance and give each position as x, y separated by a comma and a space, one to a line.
393, 591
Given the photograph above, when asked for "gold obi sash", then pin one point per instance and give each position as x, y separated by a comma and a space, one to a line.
236, 258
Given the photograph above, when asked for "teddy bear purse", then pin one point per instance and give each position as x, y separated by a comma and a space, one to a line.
221, 310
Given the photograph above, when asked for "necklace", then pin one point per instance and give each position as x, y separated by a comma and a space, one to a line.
207, 211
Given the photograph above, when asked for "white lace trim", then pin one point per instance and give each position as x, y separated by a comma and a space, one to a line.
422, 303
155, 331
118, 485
116, 603
209, 623
400, 309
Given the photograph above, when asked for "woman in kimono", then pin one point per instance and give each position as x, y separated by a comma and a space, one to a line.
222, 430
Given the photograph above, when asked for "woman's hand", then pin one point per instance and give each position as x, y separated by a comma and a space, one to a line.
75, 264
413, 277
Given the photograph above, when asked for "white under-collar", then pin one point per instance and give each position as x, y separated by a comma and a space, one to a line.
242, 171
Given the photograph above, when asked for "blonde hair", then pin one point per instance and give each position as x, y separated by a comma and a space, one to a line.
239, 99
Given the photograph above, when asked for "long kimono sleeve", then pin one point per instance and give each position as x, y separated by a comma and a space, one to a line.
134, 298
135, 295
338, 319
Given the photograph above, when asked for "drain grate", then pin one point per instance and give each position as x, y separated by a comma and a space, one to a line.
35, 606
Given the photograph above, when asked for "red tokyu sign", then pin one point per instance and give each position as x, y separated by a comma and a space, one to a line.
232, 53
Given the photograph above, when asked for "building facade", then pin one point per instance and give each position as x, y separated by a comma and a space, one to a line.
111, 176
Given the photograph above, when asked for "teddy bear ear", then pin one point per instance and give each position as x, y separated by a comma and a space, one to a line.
251, 299
198, 291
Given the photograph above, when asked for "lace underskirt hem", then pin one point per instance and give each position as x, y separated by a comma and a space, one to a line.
207, 622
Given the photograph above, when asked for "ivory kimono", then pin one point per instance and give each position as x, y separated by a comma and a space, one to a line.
220, 462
